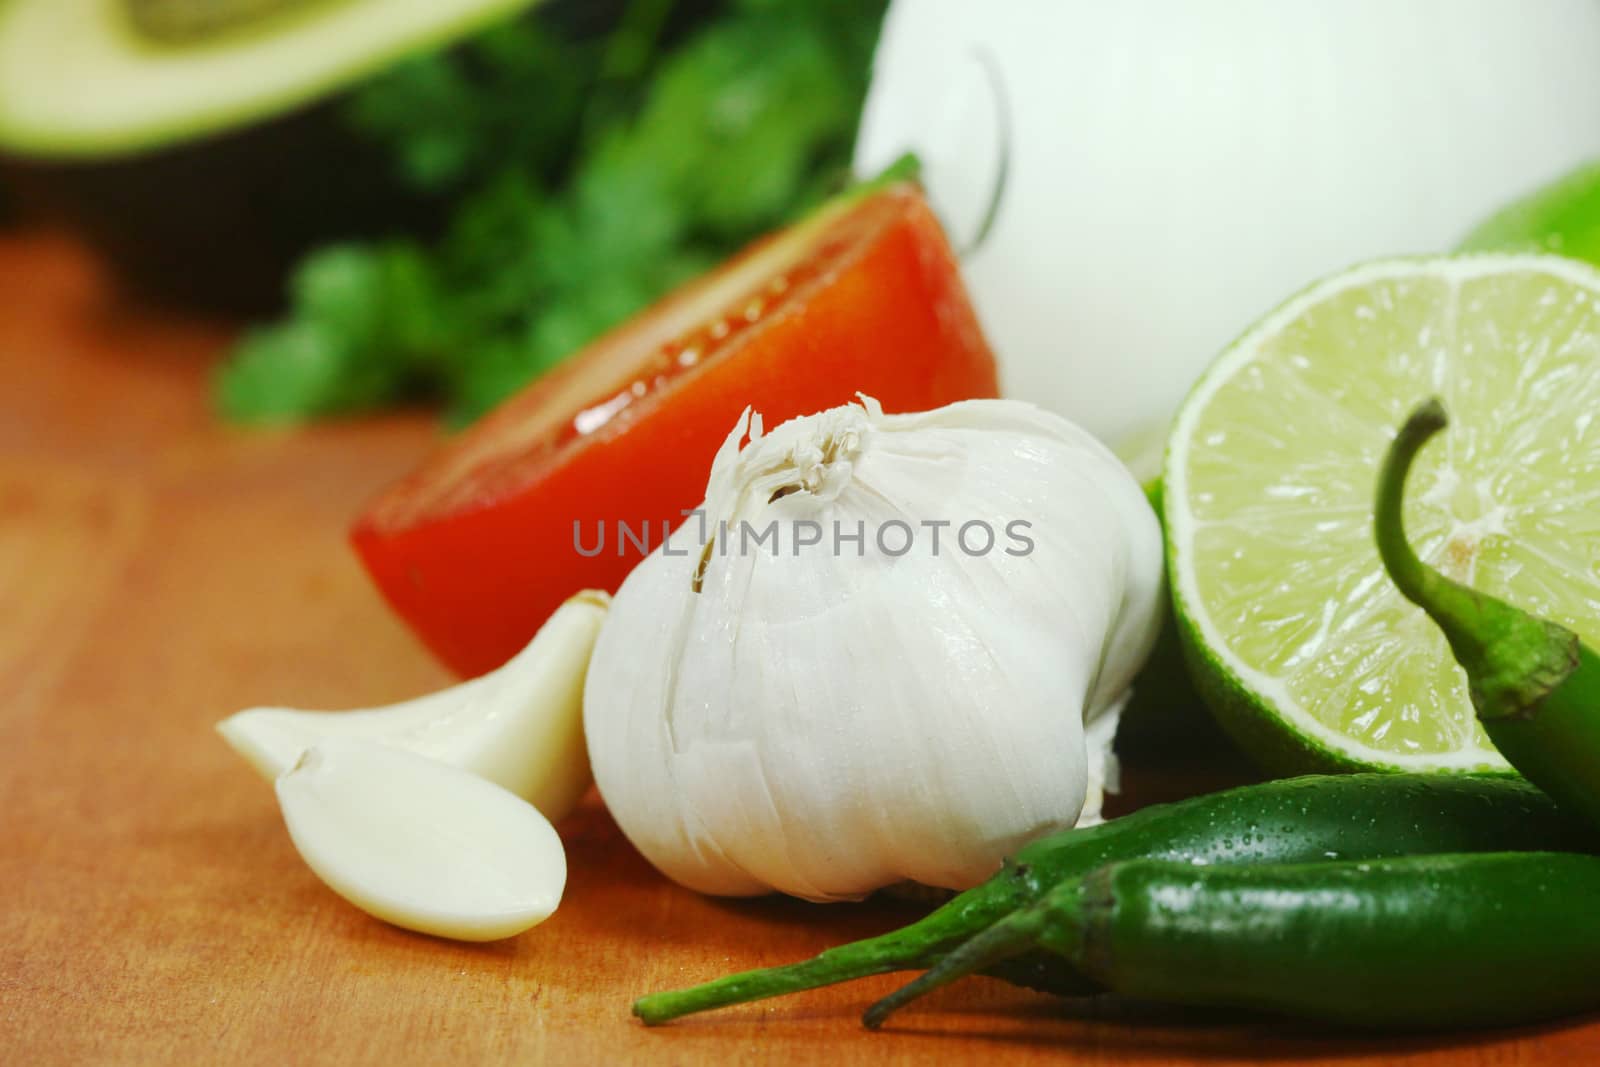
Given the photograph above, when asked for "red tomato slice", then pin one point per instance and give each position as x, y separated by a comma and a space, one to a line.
477, 547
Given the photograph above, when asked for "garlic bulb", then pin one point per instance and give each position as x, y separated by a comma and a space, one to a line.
879, 662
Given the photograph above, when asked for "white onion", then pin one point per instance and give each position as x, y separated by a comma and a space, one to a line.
1178, 167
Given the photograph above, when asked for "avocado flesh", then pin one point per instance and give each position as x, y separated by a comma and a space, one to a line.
191, 21
81, 78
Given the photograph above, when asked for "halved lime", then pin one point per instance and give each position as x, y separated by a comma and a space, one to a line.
1303, 648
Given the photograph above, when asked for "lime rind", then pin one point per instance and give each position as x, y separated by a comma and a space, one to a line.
1381, 642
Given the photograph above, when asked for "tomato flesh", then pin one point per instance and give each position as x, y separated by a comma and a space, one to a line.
480, 544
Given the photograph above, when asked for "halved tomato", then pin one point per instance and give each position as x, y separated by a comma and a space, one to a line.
479, 545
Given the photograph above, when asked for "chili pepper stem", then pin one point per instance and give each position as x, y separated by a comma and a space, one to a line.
898, 950
1011, 936
1513, 660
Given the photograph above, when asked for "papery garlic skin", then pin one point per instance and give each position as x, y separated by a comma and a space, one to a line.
824, 725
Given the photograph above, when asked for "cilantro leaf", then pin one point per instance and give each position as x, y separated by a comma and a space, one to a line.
587, 177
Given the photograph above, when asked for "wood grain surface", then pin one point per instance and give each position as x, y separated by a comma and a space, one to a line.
158, 571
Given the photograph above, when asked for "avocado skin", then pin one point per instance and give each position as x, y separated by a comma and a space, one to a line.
213, 225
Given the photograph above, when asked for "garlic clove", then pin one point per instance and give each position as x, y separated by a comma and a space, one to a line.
421, 844
272, 740
520, 727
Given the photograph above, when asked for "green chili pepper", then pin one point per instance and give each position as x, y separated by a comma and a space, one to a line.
1358, 816
1416, 942
1535, 685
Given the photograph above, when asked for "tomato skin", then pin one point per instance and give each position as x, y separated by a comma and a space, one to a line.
890, 319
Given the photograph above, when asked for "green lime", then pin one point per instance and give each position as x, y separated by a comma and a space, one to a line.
1562, 217
1165, 716
1300, 644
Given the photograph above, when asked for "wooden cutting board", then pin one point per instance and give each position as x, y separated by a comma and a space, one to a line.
158, 571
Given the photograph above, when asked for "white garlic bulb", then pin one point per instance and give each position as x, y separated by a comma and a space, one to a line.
880, 664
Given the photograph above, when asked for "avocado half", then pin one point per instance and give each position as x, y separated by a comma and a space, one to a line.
199, 146
98, 78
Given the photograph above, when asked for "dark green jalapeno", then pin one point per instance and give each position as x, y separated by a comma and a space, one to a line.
1358, 816
1419, 942
1534, 684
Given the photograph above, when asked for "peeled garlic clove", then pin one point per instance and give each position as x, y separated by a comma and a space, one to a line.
520, 727
421, 844
272, 740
